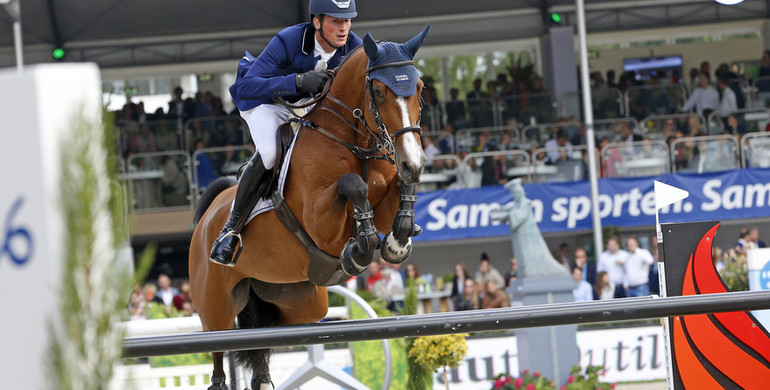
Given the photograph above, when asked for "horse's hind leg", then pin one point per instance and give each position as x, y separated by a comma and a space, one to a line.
257, 314
358, 252
218, 376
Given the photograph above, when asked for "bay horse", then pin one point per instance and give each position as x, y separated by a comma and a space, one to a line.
351, 170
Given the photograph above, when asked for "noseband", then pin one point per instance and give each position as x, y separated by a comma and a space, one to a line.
382, 143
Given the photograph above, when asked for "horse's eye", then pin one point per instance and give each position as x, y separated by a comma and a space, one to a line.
379, 94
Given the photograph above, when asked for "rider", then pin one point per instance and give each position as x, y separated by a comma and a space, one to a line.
290, 67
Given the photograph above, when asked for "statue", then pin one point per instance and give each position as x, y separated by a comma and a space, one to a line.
529, 248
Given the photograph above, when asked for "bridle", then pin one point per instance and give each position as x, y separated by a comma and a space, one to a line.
382, 143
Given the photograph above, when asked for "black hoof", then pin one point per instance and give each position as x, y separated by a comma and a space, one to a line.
349, 266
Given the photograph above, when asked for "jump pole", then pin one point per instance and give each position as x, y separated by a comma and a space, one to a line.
446, 323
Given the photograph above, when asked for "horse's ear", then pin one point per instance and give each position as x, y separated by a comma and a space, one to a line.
416, 42
370, 46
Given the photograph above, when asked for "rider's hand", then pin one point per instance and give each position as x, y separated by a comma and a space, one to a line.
312, 82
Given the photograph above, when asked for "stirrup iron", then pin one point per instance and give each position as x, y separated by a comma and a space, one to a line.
218, 243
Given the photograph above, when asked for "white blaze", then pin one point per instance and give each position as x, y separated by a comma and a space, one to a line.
411, 147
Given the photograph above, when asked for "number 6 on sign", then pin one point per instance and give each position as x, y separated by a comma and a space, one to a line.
16, 234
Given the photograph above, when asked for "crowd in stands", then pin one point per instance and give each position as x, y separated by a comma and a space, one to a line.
161, 299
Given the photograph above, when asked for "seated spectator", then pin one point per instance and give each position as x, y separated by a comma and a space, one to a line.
375, 274
469, 299
455, 109
412, 273
488, 273
744, 242
165, 291
732, 126
388, 286
204, 166
559, 148
582, 291
183, 296
430, 150
494, 297
137, 305
512, 273
603, 288
175, 186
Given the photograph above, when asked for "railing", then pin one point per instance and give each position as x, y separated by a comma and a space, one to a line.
608, 128
159, 181
635, 159
533, 136
501, 137
711, 153
494, 168
559, 164
643, 101
755, 149
761, 92
607, 103
663, 126
150, 136
747, 120
441, 171
216, 132
212, 163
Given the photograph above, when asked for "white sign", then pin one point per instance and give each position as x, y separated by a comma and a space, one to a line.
630, 354
759, 278
37, 106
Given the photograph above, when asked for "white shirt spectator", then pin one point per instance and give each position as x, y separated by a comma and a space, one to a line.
729, 103
554, 153
431, 151
614, 265
608, 292
703, 99
638, 268
583, 292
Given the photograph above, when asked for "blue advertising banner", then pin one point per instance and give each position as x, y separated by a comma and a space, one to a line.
557, 207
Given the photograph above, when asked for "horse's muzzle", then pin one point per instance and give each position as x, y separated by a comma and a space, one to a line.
410, 171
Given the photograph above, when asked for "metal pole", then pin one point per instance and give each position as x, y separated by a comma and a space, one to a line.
13, 7
17, 45
588, 115
447, 323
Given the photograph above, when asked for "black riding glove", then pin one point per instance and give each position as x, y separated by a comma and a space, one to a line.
311, 81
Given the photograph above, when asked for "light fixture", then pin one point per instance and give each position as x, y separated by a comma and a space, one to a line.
728, 2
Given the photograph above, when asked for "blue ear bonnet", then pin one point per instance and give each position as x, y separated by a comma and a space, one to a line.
402, 80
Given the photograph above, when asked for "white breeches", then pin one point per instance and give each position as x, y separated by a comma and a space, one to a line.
263, 122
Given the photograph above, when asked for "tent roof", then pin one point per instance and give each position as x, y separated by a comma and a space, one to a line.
120, 33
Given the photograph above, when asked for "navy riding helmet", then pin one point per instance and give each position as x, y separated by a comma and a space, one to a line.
343, 9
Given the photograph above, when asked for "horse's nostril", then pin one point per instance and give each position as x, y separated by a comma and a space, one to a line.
405, 168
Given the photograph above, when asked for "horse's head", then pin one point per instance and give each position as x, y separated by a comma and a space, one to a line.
394, 93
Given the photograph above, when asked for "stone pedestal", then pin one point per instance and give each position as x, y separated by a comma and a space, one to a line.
552, 351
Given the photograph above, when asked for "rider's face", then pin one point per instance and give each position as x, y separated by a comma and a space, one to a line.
335, 30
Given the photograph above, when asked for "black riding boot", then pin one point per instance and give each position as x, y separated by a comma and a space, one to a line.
246, 197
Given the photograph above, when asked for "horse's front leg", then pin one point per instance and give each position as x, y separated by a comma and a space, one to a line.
397, 244
359, 250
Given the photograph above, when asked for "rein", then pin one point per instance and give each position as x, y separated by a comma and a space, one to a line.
383, 143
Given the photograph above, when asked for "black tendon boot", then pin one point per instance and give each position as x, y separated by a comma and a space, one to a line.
246, 197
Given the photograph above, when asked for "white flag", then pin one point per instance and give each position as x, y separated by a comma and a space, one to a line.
667, 194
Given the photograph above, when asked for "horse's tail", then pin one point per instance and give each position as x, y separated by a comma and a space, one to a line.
256, 314
214, 189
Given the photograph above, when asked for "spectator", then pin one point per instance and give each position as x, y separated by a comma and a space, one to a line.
165, 292
589, 269
458, 281
582, 291
611, 79
512, 273
183, 296
754, 237
734, 82
637, 269
603, 288
494, 169
430, 149
175, 186
412, 273
704, 99
628, 137
744, 242
180, 109
613, 261
558, 149
494, 297
487, 272
727, 101
705, 68
204, 166
479, 105
137, 305
455, 109
388, 286
564, 254
732, 126
763, 83
375, 274
469, 299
